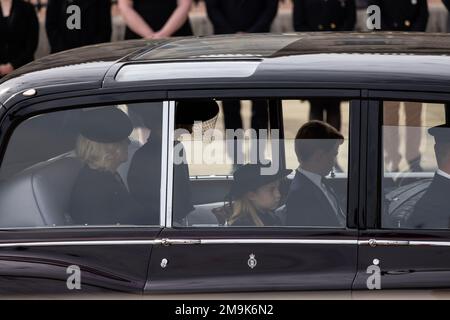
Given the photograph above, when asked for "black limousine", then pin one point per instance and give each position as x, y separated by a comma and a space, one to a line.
125, 166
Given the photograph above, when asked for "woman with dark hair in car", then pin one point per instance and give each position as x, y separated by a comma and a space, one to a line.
99, 196
156, 19
19, 34
253, 197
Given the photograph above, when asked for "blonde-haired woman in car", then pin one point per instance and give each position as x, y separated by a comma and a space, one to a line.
99, 196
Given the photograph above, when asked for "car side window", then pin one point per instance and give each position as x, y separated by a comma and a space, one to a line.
416, 165
82, 167
228, 172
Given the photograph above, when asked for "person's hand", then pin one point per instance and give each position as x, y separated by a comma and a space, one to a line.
159, 35
149, 35
6, 69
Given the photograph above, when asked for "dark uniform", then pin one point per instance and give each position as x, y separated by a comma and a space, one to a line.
324, 15
156, 13
19, 34
95, 24
247, 16
403, 15
233, 16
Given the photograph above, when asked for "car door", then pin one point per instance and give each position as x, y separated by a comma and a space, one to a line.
204, 254
45, 247
404, 243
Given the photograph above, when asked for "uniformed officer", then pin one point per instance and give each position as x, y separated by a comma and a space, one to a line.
403, 15
95, 25
324, 15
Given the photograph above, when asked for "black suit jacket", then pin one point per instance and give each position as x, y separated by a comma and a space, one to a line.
432, 211
95, 24
19, 37
144, 181
324, 15
403, 15
232, 16
307, 205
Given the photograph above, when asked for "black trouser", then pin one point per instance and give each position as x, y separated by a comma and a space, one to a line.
332, 108
233, 119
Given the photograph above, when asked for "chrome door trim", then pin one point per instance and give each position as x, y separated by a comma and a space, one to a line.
171, 140
278, 241
169, 242
78, 243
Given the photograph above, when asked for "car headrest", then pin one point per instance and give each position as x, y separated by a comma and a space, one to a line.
39, 196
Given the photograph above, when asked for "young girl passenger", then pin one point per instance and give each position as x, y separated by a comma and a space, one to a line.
254, 197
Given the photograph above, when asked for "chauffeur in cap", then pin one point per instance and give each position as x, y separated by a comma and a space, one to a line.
99, 196
144, 176
403, 15
432, 211
325, 15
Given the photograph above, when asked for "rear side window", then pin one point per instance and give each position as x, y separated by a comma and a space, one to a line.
78, 168
233, 168
416, 165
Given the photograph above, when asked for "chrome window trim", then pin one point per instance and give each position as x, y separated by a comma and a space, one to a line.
78, 243
164, 163
169, 163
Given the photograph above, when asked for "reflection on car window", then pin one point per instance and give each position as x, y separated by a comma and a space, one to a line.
416, 180
78, 169
236, 176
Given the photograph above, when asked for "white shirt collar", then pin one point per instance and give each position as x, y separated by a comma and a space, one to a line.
443, 174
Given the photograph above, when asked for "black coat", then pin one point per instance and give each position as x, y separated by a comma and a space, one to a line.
101, 198
95, 24
269, 219
307, 205
156, 13
432, 211
324, 15
250, 16
144, 181
403, 15
19, 34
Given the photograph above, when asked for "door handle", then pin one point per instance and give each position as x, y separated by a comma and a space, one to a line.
170, 242
384, 243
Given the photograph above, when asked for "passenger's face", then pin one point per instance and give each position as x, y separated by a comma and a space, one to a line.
267, 197
330, 158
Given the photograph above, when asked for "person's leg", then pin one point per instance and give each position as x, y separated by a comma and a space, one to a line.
260, 121
333, 111
413, 111
391, 143
316, 110
233, 121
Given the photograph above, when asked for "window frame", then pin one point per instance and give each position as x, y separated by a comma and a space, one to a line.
280, 94
373, 217
40, 105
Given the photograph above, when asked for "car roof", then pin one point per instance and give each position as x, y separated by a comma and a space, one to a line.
352, 60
